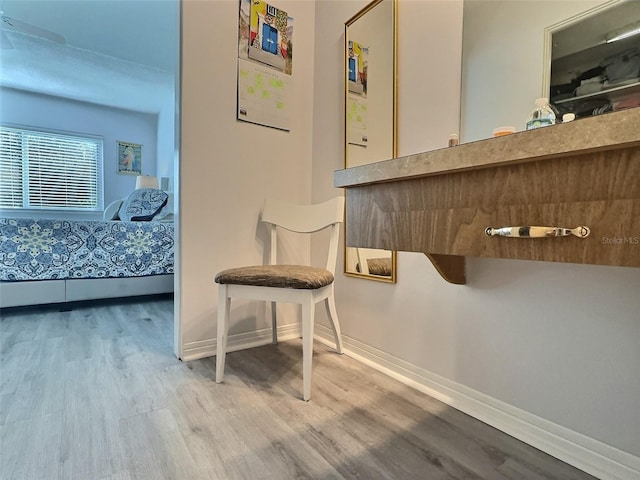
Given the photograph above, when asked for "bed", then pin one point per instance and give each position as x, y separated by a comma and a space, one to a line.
54, 261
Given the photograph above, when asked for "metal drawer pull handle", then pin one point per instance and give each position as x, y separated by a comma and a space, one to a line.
537, 232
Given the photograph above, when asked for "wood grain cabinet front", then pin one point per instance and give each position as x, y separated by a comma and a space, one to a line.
444, 213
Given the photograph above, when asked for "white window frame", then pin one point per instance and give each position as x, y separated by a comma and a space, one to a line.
29, 163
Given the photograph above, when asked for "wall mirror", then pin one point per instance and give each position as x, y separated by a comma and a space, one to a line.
593, 60
370, 113
506, 55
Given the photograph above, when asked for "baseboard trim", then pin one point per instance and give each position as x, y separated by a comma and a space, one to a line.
239, 341
585, 453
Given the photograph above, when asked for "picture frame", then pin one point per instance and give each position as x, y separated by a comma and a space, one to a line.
265, 64
129, 158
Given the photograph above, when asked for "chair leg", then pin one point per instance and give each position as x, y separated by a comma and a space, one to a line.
224, 302
308, 311
335, 323
274, 324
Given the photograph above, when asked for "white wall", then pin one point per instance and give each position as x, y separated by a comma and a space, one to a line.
24, 108
228, 167
559, 341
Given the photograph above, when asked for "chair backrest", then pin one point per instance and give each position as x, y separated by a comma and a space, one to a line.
305, 219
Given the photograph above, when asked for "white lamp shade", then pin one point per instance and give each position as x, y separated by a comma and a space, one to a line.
146, 181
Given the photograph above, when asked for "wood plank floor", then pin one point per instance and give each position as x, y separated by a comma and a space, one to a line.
96, 393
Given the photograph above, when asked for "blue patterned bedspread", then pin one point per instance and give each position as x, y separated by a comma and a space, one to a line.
32, 249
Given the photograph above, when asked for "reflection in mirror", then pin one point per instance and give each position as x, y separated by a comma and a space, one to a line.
506, 57
370, 113
595, 60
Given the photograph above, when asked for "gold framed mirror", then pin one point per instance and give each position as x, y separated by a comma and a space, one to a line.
370, 113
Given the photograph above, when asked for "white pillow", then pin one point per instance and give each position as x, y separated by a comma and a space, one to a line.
142, 205
166, 213
111, 212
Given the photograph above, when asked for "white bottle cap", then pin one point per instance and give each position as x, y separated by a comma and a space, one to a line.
542, 101
567, 117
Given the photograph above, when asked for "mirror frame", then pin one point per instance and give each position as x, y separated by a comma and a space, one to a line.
394, 153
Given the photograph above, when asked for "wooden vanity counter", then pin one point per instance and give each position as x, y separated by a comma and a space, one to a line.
586, 172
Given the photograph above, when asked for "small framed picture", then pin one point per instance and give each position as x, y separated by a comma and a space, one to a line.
129, 158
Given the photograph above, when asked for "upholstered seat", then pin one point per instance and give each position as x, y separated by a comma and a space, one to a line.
302, 284
280, 276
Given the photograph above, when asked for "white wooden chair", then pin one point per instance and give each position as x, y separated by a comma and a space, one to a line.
301, 284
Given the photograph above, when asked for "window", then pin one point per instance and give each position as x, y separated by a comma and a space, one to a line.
43, 170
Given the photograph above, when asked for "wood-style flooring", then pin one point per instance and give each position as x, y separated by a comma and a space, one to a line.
96, 393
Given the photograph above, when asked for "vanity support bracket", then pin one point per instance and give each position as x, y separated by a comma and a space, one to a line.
450, 267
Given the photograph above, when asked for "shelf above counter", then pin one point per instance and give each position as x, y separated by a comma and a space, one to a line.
585, 172
612, 94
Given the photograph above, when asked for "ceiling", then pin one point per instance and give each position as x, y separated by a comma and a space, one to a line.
594, 26
121, 53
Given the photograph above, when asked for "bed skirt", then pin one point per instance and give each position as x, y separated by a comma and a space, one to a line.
40, 292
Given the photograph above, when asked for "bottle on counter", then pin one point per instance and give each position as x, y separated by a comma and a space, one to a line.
542, 115
453, 140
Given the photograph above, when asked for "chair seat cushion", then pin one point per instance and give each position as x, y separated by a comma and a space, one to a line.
380, 266
280, 276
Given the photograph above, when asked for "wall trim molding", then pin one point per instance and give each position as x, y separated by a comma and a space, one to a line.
239, 341
585, 453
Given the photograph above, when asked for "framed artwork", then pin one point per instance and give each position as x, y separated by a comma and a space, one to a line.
357, 67
265, 64
129, 158
270, 36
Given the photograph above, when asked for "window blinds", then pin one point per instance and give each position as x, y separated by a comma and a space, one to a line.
43, 170
10, 168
